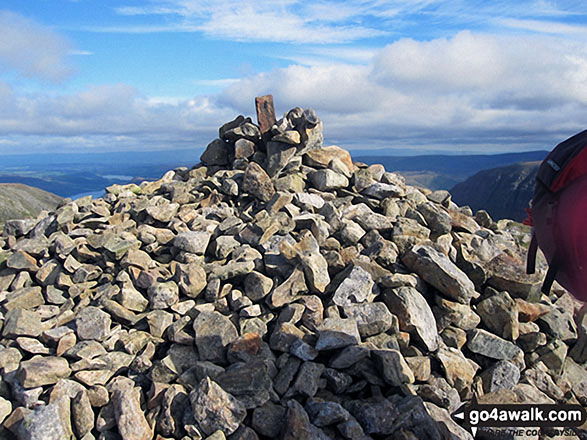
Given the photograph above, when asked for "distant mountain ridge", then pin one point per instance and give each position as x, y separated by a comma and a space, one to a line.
446, 171
504, 192
22, 201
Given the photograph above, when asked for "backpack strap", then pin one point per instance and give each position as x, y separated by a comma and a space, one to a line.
550, 276
531, 258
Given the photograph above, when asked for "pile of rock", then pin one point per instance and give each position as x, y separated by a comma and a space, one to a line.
276, 290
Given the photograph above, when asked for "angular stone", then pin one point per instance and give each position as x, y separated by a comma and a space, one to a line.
194, 242
322, 157
328, 180
24, 298
213, 334
130, 418
278, 155
21, 322
500, 314
492, 346
447, 427
460, 315
42, 370
393, 367
284, 336
268, 419
356, 287
501, 375
436, 218
307, 380
438, 391
21, 260
326, 413
316, 270
248, 382
372, 318
46, 422
337, 333
215, 409
435, 268
216, 153
257, 286
92, 323
257, 183
414, 314
376, 415
579, 351
289, 290
297, 424
459, 372
559, 324
381, 191
82, 414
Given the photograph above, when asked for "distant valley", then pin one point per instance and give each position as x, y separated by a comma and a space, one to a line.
74, 175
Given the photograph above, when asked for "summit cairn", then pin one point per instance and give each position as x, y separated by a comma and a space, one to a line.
277, 289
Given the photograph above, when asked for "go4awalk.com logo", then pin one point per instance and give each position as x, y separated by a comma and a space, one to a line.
520, 418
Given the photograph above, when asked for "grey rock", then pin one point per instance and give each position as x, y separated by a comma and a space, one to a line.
82, 414
163, 295
326, 413
216, 153
215, 409
213, 334
257, 286
501, 375
278, 155
414, 314
249, 383
356, 287
19, 322
191, 279
500, 314
458, 370
130, 418
257, 183
381, 191
371, 318
92, 323
376, 415
268, 419
307, 380
492, 346
316, 270
436, 269
393, 367
327, 180
297, 424
194, 242
559, 324
45, 423
289, 290
337, 333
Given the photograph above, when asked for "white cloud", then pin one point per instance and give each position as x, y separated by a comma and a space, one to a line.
469, 89
31, 49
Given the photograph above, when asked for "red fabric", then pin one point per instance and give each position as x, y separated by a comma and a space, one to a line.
528, 220
565, 235
575, 169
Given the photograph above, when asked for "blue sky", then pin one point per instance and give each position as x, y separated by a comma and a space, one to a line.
474, 76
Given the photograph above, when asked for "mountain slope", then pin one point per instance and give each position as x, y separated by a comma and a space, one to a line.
445, 171
504, 192
21, 201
